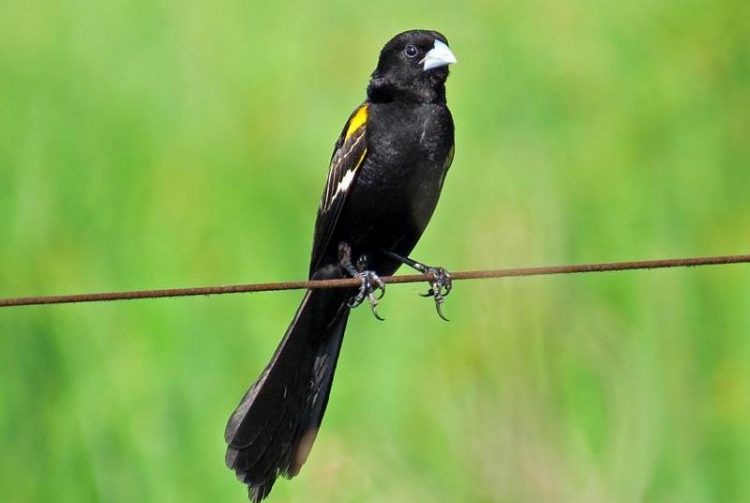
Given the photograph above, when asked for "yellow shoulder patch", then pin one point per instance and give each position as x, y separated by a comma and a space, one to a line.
357, 121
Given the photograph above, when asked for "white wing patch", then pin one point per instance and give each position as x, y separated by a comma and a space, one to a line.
345, 179
344, 183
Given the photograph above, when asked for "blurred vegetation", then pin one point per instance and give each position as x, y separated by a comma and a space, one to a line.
159, 144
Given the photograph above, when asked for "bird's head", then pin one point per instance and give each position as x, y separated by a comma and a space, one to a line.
413, 66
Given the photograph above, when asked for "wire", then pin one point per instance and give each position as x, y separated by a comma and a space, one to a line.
355, 282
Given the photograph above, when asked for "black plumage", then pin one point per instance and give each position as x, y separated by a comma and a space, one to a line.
385, 177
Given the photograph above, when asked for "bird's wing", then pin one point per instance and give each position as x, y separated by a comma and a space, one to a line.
348, 156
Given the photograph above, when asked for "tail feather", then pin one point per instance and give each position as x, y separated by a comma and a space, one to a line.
324, 366
274, 426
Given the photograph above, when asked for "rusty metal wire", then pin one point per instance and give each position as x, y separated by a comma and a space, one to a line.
354, 282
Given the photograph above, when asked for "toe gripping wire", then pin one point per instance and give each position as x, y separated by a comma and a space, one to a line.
371, 287
440, 284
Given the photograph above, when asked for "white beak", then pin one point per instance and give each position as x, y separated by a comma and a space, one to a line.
439, 55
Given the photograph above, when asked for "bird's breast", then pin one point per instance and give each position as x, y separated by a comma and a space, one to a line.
410, 140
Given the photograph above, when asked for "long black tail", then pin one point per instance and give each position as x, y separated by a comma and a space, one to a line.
273, 428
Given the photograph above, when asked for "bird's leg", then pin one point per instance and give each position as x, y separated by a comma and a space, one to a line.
371, 282
441, 283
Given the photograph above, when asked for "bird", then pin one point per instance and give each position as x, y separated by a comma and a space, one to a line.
384, 180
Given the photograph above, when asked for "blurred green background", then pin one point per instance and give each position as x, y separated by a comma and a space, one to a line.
179, 143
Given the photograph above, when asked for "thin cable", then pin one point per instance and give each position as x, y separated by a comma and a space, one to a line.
355, 282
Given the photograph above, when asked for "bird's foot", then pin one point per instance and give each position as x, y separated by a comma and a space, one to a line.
440, 280
372, 287
441, 285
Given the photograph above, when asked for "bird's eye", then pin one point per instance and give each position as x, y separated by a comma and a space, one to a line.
411, 51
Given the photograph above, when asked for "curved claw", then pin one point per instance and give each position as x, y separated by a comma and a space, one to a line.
441, 285
380, 288
439, 299
439, 309
371, 283
373, 306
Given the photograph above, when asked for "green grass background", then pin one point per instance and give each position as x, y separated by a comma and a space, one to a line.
177, 143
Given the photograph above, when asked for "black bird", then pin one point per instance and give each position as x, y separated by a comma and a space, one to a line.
384, 180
